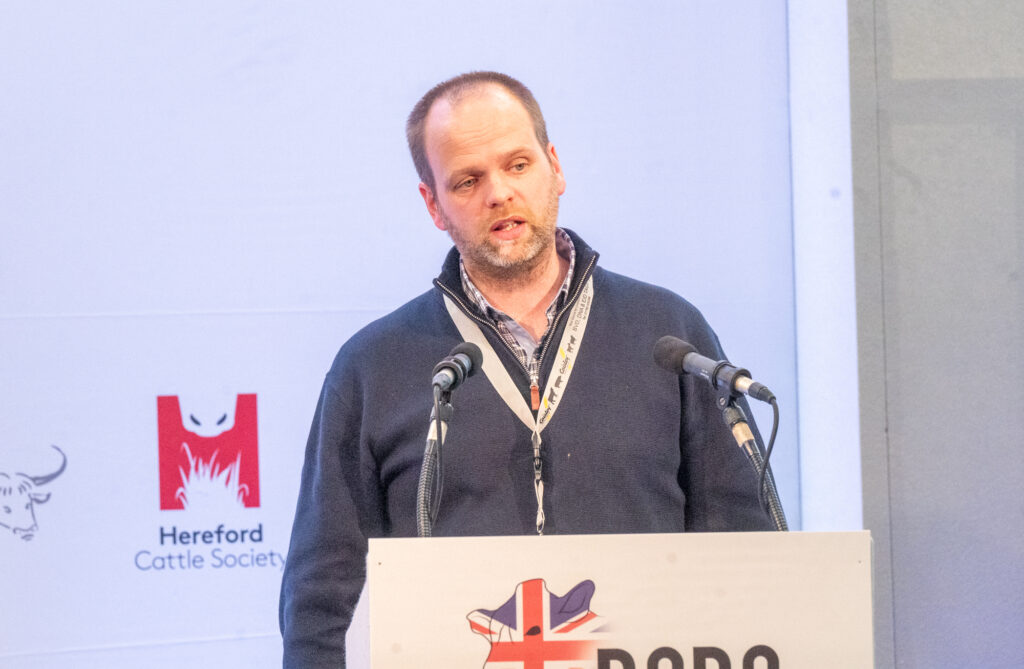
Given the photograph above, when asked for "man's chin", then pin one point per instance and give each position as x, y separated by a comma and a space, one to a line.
515, 259
507, 263
522, 254
512, 265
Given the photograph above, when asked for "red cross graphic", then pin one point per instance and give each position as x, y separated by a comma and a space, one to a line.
535, 649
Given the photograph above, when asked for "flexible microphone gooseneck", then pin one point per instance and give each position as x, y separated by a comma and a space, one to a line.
459, 365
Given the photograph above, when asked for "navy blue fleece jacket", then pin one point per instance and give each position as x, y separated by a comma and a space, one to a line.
632, 448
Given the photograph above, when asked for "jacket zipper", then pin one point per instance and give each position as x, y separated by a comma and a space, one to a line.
565, 307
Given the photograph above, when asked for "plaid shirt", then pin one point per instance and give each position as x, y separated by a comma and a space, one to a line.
512, 333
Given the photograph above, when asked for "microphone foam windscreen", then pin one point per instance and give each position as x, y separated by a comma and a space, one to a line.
471, 351
670, 351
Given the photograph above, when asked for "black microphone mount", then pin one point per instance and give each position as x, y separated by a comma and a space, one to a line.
730, 382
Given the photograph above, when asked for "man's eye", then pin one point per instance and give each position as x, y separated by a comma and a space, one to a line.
465, 184
520, 166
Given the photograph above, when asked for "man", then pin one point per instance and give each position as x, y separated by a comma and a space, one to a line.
575, 431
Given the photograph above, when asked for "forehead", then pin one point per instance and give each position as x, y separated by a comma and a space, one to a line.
482, 119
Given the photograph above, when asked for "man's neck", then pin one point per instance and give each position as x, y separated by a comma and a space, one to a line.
525, 297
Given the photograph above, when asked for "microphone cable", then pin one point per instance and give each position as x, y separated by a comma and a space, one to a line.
438, 479
766, 482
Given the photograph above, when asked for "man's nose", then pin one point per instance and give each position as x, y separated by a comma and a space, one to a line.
500, 190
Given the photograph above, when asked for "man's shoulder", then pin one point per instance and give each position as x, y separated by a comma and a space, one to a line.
647, 312
421, 324
642, 295
399, 322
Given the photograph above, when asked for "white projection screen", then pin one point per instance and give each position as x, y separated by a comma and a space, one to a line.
201, 201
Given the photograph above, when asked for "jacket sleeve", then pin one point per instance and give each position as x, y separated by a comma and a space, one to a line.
339, 507
719, 481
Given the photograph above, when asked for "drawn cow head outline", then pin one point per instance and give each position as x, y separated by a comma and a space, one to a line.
18, 497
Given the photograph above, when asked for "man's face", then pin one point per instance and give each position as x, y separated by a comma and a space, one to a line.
496, 188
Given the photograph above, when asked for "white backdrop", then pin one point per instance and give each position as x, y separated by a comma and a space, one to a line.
206, 200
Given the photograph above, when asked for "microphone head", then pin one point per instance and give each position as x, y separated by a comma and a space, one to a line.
669, 352
471, 351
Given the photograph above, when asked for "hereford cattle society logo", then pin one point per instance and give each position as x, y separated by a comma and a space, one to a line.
536, 629
208, 454
20, 492
209, 465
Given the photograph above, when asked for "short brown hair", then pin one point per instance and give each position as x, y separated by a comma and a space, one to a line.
453, 88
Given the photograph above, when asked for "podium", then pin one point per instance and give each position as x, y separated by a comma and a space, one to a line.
759, 600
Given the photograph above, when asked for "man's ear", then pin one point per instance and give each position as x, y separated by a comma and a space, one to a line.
432, 207
556, 167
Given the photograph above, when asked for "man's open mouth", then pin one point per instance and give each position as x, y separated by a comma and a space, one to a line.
506, 224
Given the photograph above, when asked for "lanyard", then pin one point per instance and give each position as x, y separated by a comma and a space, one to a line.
554, 389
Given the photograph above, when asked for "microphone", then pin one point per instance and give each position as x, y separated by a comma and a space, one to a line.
680, 357
460, 364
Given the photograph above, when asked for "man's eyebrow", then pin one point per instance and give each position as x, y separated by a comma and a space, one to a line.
508, 155
459, 175
473, 170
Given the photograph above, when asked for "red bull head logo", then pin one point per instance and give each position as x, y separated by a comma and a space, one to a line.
208, 457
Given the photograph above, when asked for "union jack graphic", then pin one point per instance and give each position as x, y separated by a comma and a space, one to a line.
536, 629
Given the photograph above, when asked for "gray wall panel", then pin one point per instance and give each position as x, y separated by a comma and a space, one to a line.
937, 124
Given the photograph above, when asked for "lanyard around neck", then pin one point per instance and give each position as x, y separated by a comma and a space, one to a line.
554, 389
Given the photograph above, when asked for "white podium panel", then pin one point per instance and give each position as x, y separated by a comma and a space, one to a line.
715, 601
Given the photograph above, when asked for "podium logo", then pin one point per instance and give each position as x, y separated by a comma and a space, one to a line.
209, 456
19, 495
536, 629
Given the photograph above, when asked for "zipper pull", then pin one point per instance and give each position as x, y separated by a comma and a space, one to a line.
535, 396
